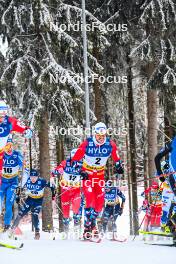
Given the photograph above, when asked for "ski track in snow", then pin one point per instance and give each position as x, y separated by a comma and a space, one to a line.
75, 251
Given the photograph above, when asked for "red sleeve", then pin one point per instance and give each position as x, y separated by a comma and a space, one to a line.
114, 153
61, 166
17, 126
80, 152
147, 190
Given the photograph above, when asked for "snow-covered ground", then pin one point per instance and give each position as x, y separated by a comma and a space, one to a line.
48, 251
68, 251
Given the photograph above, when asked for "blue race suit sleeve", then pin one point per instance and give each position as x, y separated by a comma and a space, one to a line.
121, 195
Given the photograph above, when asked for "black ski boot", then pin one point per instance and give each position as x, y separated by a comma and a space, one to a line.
6, 227
87, 235
37, 235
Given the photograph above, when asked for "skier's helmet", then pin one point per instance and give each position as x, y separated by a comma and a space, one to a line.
100, 128
155, 185
3, 108
100, 131
34, 173
72, 153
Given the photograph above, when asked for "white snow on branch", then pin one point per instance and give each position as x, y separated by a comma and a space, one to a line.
173, 51
79, 11
140, 48
9, 67
170, 74
112, 17
99, 66
17, 72
158, 7
163, 52
57, 68
6, 12
34, 73
31, 23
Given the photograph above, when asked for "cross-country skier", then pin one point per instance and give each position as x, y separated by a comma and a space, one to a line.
167, 198
95, 152
12, 166
8, 125
34, 189
70, 179
153, 195
114, 205
169, 149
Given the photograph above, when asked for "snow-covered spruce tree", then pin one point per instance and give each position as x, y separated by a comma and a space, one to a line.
97, 42
31, 57
156, 51
40, 51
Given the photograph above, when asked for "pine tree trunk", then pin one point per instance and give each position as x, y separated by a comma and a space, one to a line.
168, 109
60, 157
152, 103
129, 189
47, 221
132, 143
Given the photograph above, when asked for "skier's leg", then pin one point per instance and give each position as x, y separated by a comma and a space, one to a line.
1, 190
35, 214
79, 214
88, 193
65, 202
76, 202
10, 198
167, 202
115, 215
2, 196
24, 209
89, 202
105, 217
1, 164
65, 205
99, 199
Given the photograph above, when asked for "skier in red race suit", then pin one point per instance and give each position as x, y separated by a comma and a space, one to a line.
70, 180
8, 125
154, 211
95, 152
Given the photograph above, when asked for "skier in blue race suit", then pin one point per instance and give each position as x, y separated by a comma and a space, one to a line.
113, 207
35, 187
12, 166
170, 177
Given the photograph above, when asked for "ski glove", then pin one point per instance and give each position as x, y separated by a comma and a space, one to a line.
56, 173
120, 212
84, 175
28, 133
119, 167
162, 179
